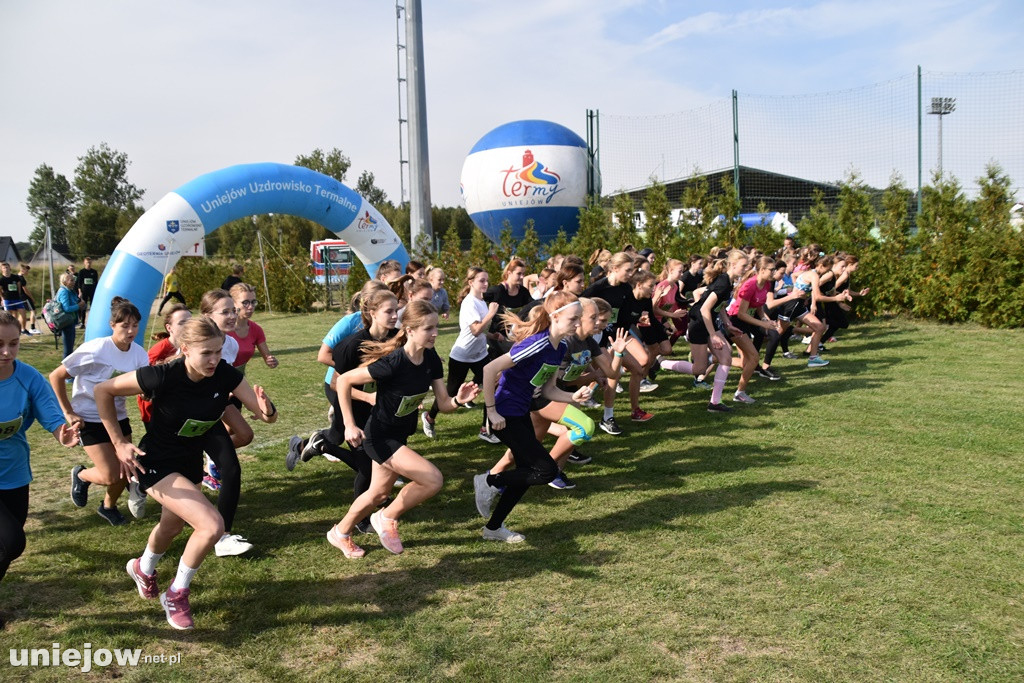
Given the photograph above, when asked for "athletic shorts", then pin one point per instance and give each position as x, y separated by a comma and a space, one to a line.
93, 433
15, 305
189, 466
380, 446
653, 333
794, 310
697, 332
538, 403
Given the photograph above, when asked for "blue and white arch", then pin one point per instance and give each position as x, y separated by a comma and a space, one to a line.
183, 217
526, 170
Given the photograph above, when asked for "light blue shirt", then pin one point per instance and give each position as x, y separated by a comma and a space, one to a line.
24, 397
346, 327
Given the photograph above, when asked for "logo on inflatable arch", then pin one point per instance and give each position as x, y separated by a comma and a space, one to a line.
533, 179
180, 220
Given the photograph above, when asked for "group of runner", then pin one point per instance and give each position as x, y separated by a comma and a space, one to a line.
539, 357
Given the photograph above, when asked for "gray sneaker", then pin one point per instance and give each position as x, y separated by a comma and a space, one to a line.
294, 452
503, 534
136, 500
484, 495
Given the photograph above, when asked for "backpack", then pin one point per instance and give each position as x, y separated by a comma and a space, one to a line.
56, 317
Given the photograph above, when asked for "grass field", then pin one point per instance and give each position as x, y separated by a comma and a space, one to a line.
860, 522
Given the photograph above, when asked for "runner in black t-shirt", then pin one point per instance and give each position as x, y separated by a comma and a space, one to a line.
707, 331
189, 395
510, 295
615, 288
404, 368
87, 280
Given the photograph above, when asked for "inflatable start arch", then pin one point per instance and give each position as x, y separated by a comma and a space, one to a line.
181, 218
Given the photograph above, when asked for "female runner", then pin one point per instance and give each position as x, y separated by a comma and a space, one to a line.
91, 363
404, 368
532, 362
24, 398
189, 396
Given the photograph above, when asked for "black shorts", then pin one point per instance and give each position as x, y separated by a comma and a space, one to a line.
233, 401
697, 332
189, 466
93, 433
380, 445
538, 403
794, 310
653, 333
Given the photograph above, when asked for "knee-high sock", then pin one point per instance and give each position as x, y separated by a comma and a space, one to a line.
680, 366
721, 374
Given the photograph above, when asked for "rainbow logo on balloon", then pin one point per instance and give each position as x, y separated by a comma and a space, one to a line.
536, 173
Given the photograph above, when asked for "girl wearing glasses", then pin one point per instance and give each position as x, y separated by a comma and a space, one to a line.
249, 335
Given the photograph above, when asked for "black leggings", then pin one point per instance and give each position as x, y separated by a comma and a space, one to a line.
457, 372
355, 458
533, 466
170, 295
13, 513
224, 455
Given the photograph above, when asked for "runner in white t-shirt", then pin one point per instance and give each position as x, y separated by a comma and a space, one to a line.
96, 361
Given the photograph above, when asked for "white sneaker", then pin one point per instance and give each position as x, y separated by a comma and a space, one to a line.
503, 534
647, 386
428, 426
136, 500
484, 495
488, 436
231, 544
618, 389
741, 397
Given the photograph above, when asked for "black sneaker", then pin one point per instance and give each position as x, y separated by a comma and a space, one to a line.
364, 526
718, 408
112, 515
569, 483
577, 458
610, 426
295, 445
652, 374
768, 374
79, 488
313, 446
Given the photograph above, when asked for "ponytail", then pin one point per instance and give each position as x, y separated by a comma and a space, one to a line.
414, 316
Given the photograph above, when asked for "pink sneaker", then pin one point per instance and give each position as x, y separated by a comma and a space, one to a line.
145, 583
387, 529
344, 544
179, 612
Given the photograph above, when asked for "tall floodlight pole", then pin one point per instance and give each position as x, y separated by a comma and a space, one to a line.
420, 222
941, 106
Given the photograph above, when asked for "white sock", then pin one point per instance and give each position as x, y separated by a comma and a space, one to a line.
609, 413
184, 576
147, 563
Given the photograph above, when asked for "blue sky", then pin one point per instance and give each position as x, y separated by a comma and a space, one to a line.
189, 87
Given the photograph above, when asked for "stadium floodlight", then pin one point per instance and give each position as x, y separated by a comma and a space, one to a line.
941, 106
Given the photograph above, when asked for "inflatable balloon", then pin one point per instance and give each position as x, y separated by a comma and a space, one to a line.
183, 217
526, 170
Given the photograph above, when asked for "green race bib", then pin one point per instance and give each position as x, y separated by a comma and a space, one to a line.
409, 404
193, 428
545, 373
10, 428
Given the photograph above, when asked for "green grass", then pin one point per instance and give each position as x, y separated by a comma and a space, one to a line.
860, 522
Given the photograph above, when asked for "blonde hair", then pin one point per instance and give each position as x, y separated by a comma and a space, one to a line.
669, 265
540, 316
240, 289
199, 330
368, 288
374, 300
66, 279
603, 307
414, 316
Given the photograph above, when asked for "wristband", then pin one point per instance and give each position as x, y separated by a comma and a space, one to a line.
272, 414
456, 402
488, 406
618, 355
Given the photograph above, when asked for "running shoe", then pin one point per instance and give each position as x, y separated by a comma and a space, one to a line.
314, 446
145, 583
641, 415
487, 436
647, 386
830, 340
816, 362
562, 483
212, 469
211, 483
136, 500
790, 355
79, 488
387, 531
503, 534
34, 332
231, 544
428, 426
610, 426
652, 374
112, 515
742, 397
806, 340
577, 458
485, 494
469, 405
822, 349
590, 403
618, 388
364, 526
294, 452
718, 408
344, 543
700, 384
765, 373
179, 612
